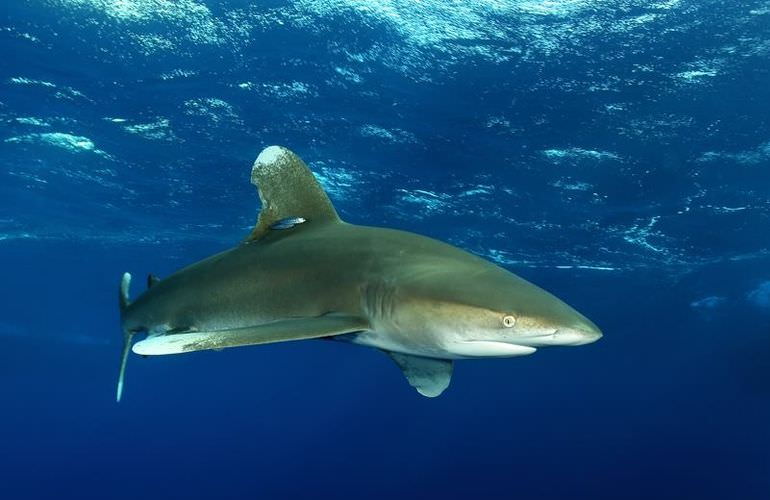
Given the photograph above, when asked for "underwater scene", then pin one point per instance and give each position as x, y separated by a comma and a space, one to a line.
400, 249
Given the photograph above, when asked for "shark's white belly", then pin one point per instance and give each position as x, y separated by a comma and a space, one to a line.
397, 343
446, 348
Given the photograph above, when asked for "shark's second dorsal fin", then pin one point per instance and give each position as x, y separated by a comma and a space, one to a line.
152, 280
287, 188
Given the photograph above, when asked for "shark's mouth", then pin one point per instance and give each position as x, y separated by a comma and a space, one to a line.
559, 337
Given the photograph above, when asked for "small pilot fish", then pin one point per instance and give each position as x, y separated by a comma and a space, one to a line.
287, 223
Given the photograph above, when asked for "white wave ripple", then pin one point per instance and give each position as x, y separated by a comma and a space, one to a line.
67, 142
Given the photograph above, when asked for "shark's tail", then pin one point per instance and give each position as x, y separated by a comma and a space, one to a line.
123, 302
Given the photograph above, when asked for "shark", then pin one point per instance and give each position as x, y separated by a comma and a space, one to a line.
303, 273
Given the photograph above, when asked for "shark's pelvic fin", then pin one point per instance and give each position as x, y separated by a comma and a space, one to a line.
287, 188
278, 331
430, 376
123, 302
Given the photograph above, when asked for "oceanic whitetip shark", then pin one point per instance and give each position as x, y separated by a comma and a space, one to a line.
303, 273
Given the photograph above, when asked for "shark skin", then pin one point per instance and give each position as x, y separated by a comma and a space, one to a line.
424, 302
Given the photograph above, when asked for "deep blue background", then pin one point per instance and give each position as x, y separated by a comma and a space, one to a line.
615, 153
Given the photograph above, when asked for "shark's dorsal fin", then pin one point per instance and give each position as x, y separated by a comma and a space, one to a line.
287, 188
430, 376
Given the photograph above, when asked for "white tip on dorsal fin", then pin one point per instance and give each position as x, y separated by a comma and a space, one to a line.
287, 188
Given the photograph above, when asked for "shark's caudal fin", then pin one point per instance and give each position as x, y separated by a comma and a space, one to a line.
287, 188
123, 302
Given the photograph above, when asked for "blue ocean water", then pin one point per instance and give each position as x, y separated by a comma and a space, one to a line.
616, 153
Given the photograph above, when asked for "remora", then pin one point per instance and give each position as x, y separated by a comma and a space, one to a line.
423, 302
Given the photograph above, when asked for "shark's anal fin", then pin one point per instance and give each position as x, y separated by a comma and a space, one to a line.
287, 188
430, 376
278, 331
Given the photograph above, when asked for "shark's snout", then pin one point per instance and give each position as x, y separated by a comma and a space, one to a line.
573, 333
579, 331
585, 334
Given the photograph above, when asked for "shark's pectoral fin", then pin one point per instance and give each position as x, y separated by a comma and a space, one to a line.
278, 331
287, 189
430, 376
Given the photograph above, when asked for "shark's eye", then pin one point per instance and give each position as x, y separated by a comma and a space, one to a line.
509, 321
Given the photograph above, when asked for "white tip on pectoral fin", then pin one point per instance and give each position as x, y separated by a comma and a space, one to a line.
430, 376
